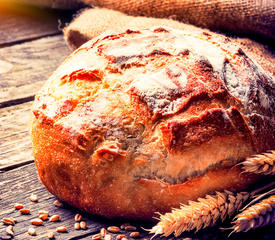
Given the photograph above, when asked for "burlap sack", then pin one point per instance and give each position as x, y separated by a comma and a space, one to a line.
249, 17
93, 22
237, 16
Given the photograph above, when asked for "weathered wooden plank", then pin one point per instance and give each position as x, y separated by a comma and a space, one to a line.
24, 67
15, 142
17, 185
21, 22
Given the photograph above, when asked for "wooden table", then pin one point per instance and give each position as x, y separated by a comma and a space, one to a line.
31, 48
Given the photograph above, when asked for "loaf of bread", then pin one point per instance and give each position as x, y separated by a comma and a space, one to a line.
138, 122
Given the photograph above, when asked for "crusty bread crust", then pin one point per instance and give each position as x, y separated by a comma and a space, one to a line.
139, 122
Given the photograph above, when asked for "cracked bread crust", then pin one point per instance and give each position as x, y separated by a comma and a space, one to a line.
139, 122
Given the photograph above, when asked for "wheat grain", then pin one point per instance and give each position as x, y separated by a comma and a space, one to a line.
77, 226
77, 217
124, 225
18, 206
8, 221
260, 164
113, 229
50, 235
257, 215
61, 229
120, 236
197, 215
31, 231
103, 232
24, 211
130, 228
44, 216
96, 236
54, 218
83, 225
9, 230
34, 197
57, 203
134, 234
37, 221
108, 237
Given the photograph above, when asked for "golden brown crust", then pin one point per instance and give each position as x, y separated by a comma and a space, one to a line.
139, 122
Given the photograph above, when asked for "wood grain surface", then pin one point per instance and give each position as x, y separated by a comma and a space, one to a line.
21, 22
31, 48
28, 66
17, 185
15, 142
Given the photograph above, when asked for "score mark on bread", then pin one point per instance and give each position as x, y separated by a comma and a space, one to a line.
142, 121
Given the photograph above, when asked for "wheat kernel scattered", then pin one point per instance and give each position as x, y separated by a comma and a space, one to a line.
34, 197
18, 206
83, 225
8, 221
120, 236
61, 229
57, 203
43, 216
9, 230
31, 231
77, 217
43, 212
54, 218
108, 237
10, 227
124, 225
24, 211
50, 235
130, 228
6, 237
103, 232
36, 221
113, 229
96, 236
134, 234
77, 226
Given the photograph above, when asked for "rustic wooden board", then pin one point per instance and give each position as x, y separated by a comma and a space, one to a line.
15, 142
17, 185
21, 22
24, 67
27, 58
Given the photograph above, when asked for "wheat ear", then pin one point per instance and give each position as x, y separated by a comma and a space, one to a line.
257, 215
260, 164
200, 214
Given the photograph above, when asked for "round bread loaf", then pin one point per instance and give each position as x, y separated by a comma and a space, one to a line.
139, 122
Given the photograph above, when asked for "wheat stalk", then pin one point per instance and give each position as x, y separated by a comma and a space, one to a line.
257, 215
197, 215
260, 164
